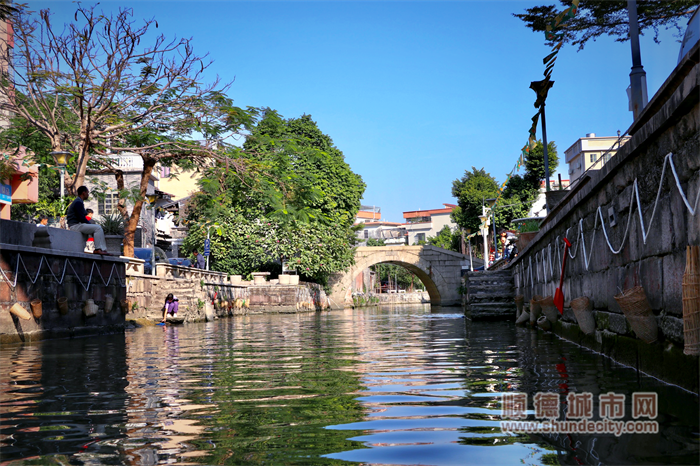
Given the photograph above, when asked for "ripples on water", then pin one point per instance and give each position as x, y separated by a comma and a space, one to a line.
400, 385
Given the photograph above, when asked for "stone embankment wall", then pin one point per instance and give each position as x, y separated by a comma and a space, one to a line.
146, 294
601, 218
375, 299
416, 297
31, 273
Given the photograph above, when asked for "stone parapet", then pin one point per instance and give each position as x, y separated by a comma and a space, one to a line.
50, 276
629, 224
146, 295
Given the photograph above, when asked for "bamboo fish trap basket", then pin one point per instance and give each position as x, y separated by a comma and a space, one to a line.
691, 301
635, 305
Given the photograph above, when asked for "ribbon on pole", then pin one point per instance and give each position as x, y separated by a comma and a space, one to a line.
552, 33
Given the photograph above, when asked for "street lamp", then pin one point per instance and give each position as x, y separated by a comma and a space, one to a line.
492, 205
638, 77
209, 241
61, 158
484, 232
471, 265
152, 198
541, 88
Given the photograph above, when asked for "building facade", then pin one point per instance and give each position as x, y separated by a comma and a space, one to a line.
591, 152
422, 224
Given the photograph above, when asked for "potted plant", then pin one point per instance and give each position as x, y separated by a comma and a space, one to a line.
528, 230
113, 227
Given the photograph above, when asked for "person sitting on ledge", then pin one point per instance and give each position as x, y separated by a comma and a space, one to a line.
76, 217
170, 306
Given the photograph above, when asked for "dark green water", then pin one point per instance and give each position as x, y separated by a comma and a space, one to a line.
400, 385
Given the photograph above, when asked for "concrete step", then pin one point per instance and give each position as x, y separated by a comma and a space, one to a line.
498, 273
504, 296
491, 311
489, 279
490, 286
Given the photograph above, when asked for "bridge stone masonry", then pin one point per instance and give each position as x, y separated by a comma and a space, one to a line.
439, 270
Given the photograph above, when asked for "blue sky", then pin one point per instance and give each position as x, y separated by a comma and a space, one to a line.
413, 93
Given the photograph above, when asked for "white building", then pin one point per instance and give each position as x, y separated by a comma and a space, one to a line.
591, 152
375, 228
422, 224
539, 207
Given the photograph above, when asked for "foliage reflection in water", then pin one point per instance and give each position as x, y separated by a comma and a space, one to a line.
393, 385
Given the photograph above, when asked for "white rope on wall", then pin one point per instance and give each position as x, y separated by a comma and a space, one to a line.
587, 252
43, 260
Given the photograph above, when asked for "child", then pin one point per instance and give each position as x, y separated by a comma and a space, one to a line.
43, 221
90, 212
170, 306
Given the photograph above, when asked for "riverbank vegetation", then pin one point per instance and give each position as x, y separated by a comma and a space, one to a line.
518, 195
296, 204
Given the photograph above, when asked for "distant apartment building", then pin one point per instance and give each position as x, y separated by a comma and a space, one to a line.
368, 213
591, 152
422, 224
539, 207
104, 195
178, 182
391, 233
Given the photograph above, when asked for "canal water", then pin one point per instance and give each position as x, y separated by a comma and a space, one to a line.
401, 385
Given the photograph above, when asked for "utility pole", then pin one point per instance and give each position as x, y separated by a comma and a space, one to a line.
638, 77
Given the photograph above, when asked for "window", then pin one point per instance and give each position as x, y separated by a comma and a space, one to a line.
164, 172
366, 234
594, 157
107, 205
607, 157
420, 237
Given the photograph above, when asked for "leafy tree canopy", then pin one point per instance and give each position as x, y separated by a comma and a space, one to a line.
522, 190
517, 198
596, 18
470, 191
311, 173
296, 202
446, 239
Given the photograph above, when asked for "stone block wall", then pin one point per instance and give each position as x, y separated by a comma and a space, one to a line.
30, 273
608, 201
147, 294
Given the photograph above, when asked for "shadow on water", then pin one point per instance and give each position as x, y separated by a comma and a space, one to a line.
388, 385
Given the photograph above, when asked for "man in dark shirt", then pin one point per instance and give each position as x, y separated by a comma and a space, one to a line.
199, 262
77, 221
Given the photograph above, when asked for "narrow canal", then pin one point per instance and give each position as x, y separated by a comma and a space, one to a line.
392, 385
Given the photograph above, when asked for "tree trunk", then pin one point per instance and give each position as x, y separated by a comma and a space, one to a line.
133, 222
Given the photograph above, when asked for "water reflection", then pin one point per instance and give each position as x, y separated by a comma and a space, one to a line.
399, 385
62, 398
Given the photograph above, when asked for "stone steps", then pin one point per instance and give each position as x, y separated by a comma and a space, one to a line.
490, 295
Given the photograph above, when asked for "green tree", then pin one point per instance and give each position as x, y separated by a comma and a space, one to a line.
534, 163
446, 239
375, 242
596, 18
296, 202
91, 87
311, 173
470, 191
522, 191
392, 274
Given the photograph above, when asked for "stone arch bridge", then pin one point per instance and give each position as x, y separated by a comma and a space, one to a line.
439, 270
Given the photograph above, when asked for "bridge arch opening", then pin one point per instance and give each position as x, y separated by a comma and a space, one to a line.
422, 275
439, 270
